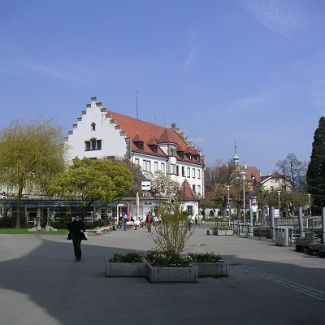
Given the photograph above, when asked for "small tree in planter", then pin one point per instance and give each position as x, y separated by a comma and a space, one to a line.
171, 234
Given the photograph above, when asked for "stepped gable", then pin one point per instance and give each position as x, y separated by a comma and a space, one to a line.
186, 192
150, 134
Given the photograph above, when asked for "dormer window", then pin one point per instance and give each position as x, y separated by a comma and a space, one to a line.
154, 148
93, 126
139, 144
180, 154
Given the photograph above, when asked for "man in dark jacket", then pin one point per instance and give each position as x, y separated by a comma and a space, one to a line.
77, 229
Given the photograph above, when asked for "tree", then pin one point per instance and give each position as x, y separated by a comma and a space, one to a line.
171, 234
138, 176
293, 169
30, 155
91, 180
316, 167
162, 186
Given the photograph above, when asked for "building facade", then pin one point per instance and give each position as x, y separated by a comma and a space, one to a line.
103, 134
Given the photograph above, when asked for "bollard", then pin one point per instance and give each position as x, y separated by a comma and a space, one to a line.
323, 226
301, 227
271, 211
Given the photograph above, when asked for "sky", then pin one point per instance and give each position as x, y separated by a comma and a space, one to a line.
225, 71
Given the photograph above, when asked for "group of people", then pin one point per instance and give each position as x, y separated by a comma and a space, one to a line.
130, 222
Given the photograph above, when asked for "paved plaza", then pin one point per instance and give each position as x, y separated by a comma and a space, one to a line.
41, 284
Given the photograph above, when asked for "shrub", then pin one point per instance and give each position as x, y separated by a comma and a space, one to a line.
160, 258
134, 257
173, 231
206, 257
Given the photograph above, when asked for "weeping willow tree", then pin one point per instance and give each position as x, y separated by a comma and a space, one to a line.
31, 154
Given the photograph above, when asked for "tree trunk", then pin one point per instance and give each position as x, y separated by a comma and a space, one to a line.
19, 196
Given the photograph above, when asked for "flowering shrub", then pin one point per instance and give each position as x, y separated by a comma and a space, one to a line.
134, 257
206, 257
160, 258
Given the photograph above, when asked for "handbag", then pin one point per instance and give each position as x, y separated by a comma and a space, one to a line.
69, 236
84, 235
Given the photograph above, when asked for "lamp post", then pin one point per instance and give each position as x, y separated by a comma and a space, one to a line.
243, 177
309, 205
228, 204
279, 200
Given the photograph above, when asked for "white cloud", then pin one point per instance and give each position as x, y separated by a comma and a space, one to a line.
67, 76
190, 57
254, 102
280, 16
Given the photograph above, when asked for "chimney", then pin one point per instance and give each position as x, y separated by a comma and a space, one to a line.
173, 125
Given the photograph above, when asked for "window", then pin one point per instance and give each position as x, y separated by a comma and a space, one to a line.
198, 173
136, 161
139, 144
188, 172
172, 169
162, 166
199, 189
93, 126
193, 172
193, 187
155, 166
177, 170
93, 144
183, 171
146, 165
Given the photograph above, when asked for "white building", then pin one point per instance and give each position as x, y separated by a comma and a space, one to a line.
101, 134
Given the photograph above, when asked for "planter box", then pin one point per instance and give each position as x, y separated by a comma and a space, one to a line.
114, 269
217, 269
223, 232
171, 274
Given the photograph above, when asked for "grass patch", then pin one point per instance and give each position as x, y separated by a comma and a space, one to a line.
23, 231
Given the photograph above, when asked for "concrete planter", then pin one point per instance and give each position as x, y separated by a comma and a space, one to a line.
217, 269
171, 274
223, 232
114, 269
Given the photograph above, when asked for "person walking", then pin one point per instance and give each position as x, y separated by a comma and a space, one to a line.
149, 221
125, 220
77, 229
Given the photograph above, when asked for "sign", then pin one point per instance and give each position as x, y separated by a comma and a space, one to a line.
146, 186
276, 213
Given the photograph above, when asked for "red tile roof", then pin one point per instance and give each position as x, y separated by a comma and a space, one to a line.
149, 133
186, 192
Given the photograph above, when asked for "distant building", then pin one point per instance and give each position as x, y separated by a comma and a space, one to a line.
275, 182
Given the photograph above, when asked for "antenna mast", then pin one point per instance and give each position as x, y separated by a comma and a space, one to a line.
136, 103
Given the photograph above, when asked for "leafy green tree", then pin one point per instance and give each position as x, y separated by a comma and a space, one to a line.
171, 234
316, 167
90, 180
30, 155
138, 176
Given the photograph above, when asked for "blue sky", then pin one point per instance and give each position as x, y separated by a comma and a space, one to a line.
251, 71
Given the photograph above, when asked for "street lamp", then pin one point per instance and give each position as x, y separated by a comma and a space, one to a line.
243, 177
279, 199
228, 203
309, 214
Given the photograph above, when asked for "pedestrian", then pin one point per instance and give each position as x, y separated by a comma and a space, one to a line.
189, 220
196, 219
149, 221
125, 220
77, 229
